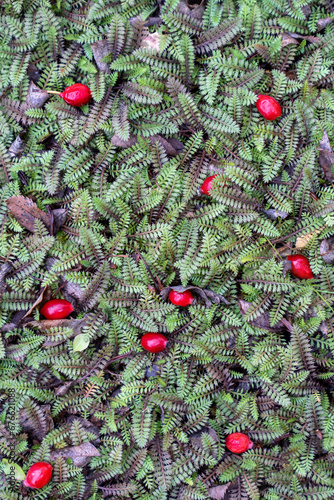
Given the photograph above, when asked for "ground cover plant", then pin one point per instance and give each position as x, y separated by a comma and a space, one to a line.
167, 181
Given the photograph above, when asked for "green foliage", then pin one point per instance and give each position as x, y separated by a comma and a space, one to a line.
174, 90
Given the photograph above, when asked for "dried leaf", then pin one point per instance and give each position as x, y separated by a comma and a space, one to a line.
306, 9
219, 492
80, 454
196, 438
152, 42
326, 157
288, 39
36, 97
17, 147
63, 389
194, 11
177, 145
4, 270
303, 241
326, 250
311, 39
274, 214
322, 23
38, 432
318, 433
26, 212
59, 218
33, 73
44, 296
153, 371
117, 141
71, 291
172, 149
101, 49
45, 324
262, 321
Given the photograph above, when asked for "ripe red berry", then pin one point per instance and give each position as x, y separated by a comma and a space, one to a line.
207, 185
76, 95
181, 298
238, 442
38, 475
268, 107
300, 267
57, 309
154, 342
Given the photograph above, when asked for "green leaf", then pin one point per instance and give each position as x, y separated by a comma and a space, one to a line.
81, 342
12, 469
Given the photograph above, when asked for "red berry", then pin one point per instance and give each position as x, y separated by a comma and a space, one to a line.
57, 309
154, 342
238, 442
207, 185
268, 107
77, 94
181, 298
300, 267
38, 475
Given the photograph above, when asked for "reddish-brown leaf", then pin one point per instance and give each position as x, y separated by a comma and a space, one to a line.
26, 212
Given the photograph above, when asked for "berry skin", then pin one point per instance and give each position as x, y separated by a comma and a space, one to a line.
300, 267
268, 107
182, 299
76, 95
154, 342
38, 475
207, 185
57, 309
238, 442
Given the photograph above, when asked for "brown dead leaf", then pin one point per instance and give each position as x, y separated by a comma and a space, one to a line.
311, 39
262, 321
319, 435
195, 11
41, 427
4, 270
117, 141
59, 218
44, 296
196, 438
303, 241
16, 148
219, 492
288, 39
176, 144
26, 212
326, 157
36, 97
101, 49
152, 42
322, 23
33, 73
173, 147
45, 324
326, 250
80, 454
273, 214
64, 388
167, 144
73, 291
306, 10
